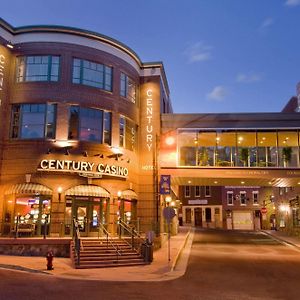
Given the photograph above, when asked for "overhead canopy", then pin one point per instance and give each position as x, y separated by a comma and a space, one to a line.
29, 188
88, 190
129, 194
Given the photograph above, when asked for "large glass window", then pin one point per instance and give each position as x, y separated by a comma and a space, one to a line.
266, 149
88, 124
38, 68
33, 121
92, 74
241, 148
128, 134
127, 88
288, 149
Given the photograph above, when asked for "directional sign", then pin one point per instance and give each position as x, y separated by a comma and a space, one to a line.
169, 213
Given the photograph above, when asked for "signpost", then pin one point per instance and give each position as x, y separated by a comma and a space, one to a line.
169, 214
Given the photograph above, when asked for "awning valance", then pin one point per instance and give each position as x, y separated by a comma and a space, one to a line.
28, 188
129, 194
88, 190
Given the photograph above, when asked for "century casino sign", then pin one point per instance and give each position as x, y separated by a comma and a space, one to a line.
83, 168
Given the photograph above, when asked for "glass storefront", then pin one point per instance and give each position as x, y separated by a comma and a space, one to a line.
27, 216
238, 148
88, 212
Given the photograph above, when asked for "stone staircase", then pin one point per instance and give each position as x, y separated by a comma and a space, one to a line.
98, 253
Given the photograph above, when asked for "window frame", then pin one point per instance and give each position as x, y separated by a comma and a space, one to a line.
197, 191
255, 201
127, 80
227, 198
20, 125
207, 190
243, 195
187, 191
49, 68
82, 78
79, 125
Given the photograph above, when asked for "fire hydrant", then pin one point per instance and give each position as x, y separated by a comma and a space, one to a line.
49, 258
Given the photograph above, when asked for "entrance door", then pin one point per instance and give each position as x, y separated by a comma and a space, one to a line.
82, 219
198, 216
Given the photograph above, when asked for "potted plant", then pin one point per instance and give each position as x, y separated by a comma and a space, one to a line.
286, 155
244, 156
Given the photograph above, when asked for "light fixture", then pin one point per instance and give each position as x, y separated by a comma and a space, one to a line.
170, 140
168, 199
10, 45
128, 160
119, 194
49, 150
85, 154
101, 156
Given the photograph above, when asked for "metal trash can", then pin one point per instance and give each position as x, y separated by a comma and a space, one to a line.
147, 252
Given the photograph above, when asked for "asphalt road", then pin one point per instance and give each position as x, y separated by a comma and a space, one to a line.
222, 265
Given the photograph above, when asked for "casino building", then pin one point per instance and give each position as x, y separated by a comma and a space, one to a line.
87, 131
80, 115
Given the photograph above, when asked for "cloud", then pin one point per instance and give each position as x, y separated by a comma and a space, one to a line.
198, 52
292, 2
218, 93
266, 23
248, 78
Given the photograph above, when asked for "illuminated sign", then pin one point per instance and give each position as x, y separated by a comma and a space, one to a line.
149, 116
2, 67
83, 168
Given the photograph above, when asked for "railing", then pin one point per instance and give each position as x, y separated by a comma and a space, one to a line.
77, 241
136, 239
109, 239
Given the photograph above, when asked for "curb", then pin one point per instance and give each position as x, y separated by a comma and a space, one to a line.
180, 250
279, 239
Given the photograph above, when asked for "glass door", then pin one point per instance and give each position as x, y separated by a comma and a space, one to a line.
81, 217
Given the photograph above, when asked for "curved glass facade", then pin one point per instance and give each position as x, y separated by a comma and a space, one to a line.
239, 148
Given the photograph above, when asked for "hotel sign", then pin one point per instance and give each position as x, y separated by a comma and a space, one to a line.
83, 168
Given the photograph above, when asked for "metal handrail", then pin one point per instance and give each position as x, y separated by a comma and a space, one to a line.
109, 239
133, 234
77, 241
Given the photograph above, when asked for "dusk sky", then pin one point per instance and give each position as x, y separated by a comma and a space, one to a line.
219, 55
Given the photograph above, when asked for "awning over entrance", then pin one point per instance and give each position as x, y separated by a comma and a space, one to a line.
88, 190
29, 188
129, 194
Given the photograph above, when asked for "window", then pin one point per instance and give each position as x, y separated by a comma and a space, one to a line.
243, 198
33, 121
128, 134
37, 68
197, 191
229, 198
187, 191
207, 191
127, 88
92, 74
255, 198
88, 124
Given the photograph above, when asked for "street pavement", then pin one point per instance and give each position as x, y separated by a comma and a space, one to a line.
165, 266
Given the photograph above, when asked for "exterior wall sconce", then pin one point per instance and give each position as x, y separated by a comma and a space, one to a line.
85, 154
10, 45
119, 194
168, 200
67, 151
49, 150
59, 191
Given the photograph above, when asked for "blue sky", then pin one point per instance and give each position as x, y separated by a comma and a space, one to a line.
219, 55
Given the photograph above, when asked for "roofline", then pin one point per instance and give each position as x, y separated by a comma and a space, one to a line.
88, 34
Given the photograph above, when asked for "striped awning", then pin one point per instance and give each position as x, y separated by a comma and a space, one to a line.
28, 188
88, 190
129, 194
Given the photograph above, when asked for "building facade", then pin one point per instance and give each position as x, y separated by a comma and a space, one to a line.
80, 114
87, 131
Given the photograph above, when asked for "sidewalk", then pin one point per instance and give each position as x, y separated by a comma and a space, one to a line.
284, 238
159, 269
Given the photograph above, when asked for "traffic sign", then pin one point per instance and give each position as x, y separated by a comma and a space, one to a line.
169, 213
263, 210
